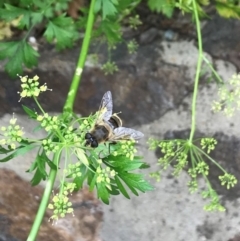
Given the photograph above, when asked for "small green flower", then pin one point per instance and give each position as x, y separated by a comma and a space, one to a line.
228, 179
229, 97
134, 22
50, 146
214, 204
208, 143
127, 149
49, 122
30, 87
109, 68
74, 170
132, 46
12, 134
61, 205
103, 175
193, 186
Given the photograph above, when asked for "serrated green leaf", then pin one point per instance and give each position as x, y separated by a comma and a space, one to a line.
134, 191
29, 55
33, 166
41, 165
37, 178
102, 192
126, 165
10, 12
49, 162
13, 66
111, 30
20, 151
8, 49
80, 180
124, 4
164, 6
114, 190
135, 181
32, 114
36, 18
107, 7
144, 166
121, 188
62, 30
25, 20
4, 151
18, 53
227, 10
121, 163
93, 182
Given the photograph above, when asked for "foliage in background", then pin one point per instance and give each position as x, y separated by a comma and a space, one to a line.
186, 154
225, 8
63, 31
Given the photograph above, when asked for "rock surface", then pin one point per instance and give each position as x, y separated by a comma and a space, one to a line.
19, 203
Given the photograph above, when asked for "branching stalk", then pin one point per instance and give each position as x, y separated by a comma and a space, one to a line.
199, 64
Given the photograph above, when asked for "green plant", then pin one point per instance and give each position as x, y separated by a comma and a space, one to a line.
186, 154
63, 31
108, 169
60, 29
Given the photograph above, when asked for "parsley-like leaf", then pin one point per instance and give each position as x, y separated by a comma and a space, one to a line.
107, 7
102, 192
111, 30
135, 181
228, 10
164, 6
18, 54
63, 30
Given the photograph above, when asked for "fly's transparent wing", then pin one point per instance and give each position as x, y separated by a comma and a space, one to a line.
123, 133
106, 106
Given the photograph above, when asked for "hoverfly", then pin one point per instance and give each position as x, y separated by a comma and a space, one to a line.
108, 126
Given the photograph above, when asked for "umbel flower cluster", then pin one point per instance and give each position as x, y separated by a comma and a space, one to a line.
185, 155
108, 169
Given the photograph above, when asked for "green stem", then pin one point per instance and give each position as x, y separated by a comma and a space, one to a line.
199, 64
39, 106
213, 70
212, 160
45, 199
68, 107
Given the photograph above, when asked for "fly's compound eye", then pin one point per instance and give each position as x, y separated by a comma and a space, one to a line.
94, 143
90, 140
88, 136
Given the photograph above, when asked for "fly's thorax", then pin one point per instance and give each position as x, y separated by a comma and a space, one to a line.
102, 132
116, 121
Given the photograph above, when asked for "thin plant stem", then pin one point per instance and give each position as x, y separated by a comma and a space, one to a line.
45, 199
199, 64
68, 107
220, 81
39, 106
211, 159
